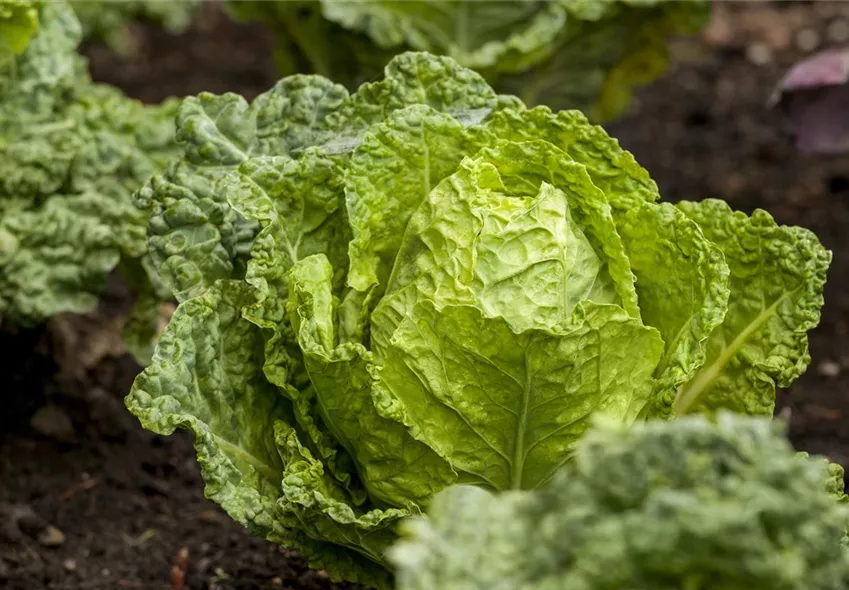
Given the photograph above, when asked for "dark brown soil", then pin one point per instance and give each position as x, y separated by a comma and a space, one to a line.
126, 501
130, 504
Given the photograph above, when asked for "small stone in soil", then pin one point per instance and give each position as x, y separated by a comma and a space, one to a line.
759, 54
51, 537
807, 40
70, 565
829, 369
838, 31
52, 421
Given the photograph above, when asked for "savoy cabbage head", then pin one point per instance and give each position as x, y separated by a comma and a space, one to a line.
71, 154
426, 283
686, 504
581, 54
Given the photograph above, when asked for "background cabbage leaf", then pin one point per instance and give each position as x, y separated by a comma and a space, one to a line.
71, 154
561, 53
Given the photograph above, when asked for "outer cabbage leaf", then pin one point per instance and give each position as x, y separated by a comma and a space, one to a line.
776, 282
297, 204
395, 468
206, 376
195, 237
682, 288
662, 505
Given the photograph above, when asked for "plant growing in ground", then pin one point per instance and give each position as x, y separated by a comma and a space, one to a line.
660, 506
71, 155
426, 283
587, 55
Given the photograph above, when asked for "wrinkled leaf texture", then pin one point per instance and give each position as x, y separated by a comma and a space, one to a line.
71, 155
426, 283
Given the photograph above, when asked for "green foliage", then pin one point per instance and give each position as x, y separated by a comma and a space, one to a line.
71, 154
579, 54
658, 506
110, 20
425, 283
18, 23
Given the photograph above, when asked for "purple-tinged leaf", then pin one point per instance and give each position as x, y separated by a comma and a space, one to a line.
814, 98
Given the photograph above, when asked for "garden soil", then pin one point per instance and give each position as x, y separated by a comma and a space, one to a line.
89, 500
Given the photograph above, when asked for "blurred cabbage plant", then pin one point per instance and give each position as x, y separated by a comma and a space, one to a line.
581, 54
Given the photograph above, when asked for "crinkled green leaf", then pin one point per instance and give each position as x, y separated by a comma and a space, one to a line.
298, 204
507, 408
521, 231
142, 328
390, 173
394, 467
682, 288
206, 377
776, 282
71, 154
325, 512
43, 77
36, 160
612, 169
57, 257
413, 78
660, 506
195, 237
